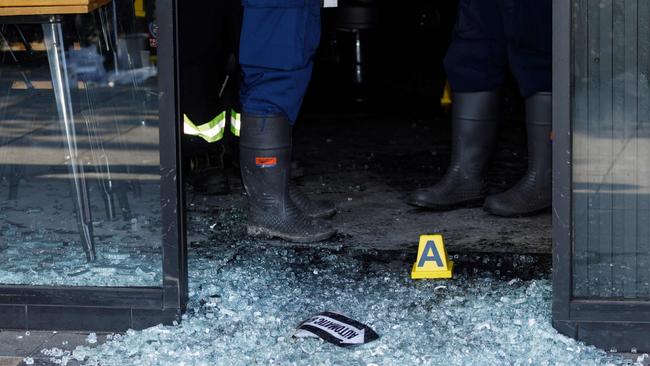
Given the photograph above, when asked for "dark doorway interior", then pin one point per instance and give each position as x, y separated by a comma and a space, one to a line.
365, 145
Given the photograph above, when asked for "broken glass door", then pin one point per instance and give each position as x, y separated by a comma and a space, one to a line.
80, 201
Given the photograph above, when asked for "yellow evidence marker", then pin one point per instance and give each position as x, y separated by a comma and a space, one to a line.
139, 9
445, 100
432, 261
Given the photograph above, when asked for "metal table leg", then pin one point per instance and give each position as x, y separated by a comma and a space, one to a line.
60, 83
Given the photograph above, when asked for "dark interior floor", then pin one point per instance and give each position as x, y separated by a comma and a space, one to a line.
367, 159
368, 164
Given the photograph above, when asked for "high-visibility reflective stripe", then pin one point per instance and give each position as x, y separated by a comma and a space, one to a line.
210, 132
235, 122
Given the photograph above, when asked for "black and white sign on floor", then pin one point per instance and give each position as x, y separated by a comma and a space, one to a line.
336, 329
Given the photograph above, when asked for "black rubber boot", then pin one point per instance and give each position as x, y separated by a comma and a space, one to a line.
204, 166
532, 194
265, 160
475, 130
311, 208
211, 181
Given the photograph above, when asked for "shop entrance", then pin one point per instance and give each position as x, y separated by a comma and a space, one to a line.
375, 126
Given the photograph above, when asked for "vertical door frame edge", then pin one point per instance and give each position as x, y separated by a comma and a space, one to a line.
562, 161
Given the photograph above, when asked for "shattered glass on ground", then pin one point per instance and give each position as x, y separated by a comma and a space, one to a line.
40, 245
246, 297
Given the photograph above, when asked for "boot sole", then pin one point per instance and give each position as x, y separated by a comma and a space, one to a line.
514, 215
262, 232
454, 206
324, 214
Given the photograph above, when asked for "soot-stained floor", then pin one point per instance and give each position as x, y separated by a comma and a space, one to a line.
367, 163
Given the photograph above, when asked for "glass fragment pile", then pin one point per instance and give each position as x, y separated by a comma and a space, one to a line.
246, 297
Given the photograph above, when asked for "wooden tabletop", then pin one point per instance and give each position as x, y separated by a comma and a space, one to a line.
49, 7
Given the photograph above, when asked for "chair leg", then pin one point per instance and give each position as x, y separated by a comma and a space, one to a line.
60, 83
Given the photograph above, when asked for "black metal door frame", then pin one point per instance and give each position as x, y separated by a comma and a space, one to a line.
620, 325
114, 309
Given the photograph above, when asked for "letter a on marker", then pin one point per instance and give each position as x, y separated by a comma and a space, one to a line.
430, 247
432, 261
